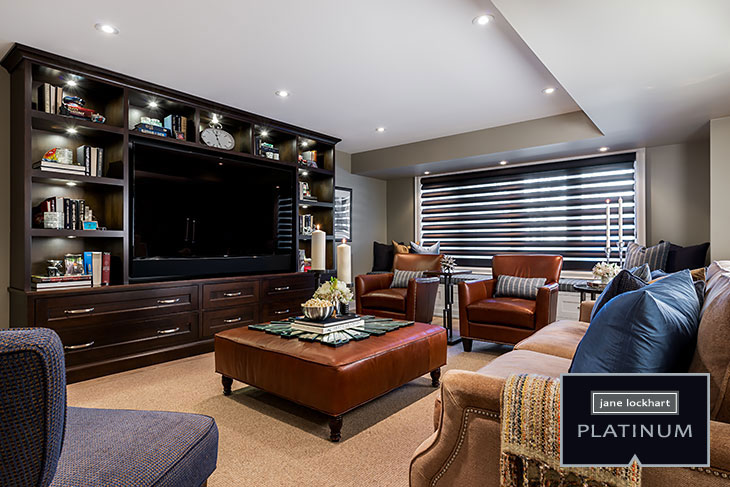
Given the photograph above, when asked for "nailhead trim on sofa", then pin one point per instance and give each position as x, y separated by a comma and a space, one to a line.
462, 435
710, 471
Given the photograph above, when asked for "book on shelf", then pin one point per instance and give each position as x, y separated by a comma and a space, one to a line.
49, 98
41, 283
50, 279
321, 329
176, 125
91, 159
75, 212
60, 167
146, 128
93, 267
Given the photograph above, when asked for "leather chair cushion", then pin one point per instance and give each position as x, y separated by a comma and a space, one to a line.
525, 362
560, 338
393, 299
503, 311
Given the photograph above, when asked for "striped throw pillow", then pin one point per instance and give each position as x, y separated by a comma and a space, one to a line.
518, 287
655, 256
401, 278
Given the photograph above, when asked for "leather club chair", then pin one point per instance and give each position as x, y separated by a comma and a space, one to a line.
504, 319
374, 296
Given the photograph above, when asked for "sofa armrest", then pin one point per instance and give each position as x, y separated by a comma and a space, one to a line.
421, 299
546, 308
586, 308
470, 410
366, 283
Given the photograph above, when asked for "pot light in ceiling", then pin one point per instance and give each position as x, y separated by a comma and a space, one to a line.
426, 172
71, 131
380, 129
549, 90
152, 104
107, 29
71, 83
602, 149
305, 173
503, 163
264, 133
482, 19
282, 93
71, 183
305, 143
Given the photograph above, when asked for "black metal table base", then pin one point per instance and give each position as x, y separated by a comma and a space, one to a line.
448, 311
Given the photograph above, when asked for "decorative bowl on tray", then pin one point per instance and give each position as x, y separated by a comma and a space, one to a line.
597, 284
317, 309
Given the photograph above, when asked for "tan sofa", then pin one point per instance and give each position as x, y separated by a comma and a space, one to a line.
464, 450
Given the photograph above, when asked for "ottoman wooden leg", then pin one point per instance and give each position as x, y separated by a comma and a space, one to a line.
227, 383
436, 377
335, 428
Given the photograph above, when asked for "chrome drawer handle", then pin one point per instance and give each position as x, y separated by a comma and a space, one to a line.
167, 332
232, 295
79, 312
233, 320
78, 347
168, 301
282, 288
281, 312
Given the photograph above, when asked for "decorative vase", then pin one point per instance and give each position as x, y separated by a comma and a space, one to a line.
341, 308
605, 279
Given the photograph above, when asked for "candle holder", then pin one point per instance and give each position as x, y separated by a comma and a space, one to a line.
621, 248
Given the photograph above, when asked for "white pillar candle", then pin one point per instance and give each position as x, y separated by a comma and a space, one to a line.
608, 224
344, 259
319, 239
620, 221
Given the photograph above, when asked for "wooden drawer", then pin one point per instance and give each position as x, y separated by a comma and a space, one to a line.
99, 342
105, 308
230, 293
287, 287
277, 310
223, 319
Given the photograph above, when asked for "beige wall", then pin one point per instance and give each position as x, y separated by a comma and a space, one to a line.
719, 190
677, 193
368, 212
4, 197
401, 207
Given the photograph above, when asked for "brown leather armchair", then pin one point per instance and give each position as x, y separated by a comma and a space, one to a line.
374, 296
504, 319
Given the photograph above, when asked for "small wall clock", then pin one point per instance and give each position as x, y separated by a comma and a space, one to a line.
215, 136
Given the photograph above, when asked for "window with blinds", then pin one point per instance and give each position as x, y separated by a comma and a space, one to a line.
555, 208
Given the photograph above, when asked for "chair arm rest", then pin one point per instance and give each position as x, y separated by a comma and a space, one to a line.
586, 308
546, 308
366, 283
421, 298
473, 291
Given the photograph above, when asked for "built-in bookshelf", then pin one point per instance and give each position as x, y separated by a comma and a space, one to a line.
125, 103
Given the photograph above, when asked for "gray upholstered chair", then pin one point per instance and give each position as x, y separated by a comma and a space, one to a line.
43, 442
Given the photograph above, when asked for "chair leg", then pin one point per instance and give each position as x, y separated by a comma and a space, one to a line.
467, 344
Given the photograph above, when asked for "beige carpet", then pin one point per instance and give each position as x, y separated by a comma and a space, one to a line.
267, 441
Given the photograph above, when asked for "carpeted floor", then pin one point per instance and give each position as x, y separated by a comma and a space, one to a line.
267, 441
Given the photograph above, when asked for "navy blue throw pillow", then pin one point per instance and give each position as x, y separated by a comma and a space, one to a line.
650, 330
624, 281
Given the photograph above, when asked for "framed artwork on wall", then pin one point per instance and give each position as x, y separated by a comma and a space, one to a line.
343, 213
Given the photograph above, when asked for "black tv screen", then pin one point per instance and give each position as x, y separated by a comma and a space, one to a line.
195, 214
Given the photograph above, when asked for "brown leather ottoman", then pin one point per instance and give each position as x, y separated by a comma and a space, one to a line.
331, 380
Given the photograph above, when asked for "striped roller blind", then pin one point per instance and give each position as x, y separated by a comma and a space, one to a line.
555, 208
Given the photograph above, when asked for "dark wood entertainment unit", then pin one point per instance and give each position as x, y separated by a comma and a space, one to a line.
127, 325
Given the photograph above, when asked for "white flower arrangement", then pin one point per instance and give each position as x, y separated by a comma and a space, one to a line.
605, 271
335, 291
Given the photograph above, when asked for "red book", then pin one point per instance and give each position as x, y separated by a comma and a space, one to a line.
106, 263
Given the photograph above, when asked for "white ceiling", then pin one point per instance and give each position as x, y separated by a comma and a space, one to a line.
418, 67
646, 72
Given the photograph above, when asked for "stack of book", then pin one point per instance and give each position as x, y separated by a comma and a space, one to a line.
75, 212
50, 98
45, 283
97, 265
150, 129
91, 159
61, 167
176, 125
265, 149
330, 325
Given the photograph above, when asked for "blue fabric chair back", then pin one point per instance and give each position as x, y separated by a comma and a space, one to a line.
32, 406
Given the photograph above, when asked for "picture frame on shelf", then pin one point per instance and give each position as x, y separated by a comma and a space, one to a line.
343, 213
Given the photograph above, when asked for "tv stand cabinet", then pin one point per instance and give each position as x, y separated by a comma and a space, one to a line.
114, 328
127, 325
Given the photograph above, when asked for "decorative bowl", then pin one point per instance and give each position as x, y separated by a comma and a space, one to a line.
318, 313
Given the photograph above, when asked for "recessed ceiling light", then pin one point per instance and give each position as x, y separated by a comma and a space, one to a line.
71, 236
152, 104
215, 119
549, 90
220, 163
71, 83
305, 143
603, 149
482, 19
264, 133
426, 172
71, 130
305, 206
71, 183
107, 28
305, 173
380, 129
503, 163
282, 93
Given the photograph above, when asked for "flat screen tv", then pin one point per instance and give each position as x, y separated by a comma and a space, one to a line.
196, 215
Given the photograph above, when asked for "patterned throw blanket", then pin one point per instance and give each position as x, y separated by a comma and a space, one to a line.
531, 441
